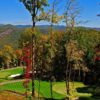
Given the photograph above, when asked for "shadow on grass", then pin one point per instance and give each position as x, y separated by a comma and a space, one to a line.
87, 98
84, 90
53, 99
90, 90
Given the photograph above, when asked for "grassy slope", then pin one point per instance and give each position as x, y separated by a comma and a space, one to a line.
12, 38
44, 90
5, 73
59, 90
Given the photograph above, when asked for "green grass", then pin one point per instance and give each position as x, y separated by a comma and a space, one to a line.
44, 89
59, 89
5, 73
18, 87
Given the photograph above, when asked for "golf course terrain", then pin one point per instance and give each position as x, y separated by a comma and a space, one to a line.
42, 88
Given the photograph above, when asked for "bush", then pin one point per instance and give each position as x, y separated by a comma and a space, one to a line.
97, 91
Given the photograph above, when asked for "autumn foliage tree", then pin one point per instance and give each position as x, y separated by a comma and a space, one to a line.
34, 7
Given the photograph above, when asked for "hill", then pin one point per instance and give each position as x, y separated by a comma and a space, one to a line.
10, 34
43, 28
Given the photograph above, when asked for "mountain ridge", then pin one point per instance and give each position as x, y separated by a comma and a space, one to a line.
46, 26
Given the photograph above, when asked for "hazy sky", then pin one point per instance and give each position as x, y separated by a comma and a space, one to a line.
13, 12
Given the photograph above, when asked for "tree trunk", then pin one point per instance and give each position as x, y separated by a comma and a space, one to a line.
33, 63
33, 46
33, 57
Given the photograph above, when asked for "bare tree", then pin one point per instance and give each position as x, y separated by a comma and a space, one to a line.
54, 18
71, 13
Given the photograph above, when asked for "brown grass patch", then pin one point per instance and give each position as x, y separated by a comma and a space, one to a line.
5, 95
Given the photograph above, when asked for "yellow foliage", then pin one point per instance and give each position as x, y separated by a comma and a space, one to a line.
44, 38
8, 48
73, 53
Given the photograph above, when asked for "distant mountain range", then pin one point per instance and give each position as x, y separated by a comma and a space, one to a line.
28, 26
58, 27
43, 28
98, 29
10, 34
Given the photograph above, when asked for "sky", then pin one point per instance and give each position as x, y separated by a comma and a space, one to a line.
14, 12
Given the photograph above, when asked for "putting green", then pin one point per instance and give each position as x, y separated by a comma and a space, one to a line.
60, 88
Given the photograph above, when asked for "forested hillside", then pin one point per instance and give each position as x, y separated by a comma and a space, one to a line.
9, 35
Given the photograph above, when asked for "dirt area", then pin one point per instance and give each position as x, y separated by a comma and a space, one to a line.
5, 95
